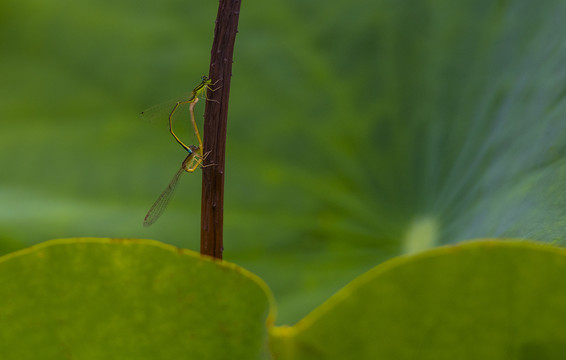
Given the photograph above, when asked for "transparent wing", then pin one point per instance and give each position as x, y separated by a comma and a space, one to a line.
182, 117
162, 111
159, 114
160, 204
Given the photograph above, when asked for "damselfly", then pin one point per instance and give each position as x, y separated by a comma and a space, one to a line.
172, 108
190, 164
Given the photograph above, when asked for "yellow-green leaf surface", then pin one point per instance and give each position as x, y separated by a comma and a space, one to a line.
128, 299
478, 300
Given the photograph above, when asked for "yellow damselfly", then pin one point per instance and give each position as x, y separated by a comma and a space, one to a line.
190, 164
172, 108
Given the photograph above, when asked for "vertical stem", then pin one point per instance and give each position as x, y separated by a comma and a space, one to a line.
216, 115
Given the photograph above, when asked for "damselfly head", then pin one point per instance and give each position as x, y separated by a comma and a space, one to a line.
194, 148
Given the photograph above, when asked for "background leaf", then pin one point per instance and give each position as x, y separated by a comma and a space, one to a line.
478, 300
358, 131
128, 299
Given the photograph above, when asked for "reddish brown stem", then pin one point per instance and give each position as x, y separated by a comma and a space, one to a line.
215, 120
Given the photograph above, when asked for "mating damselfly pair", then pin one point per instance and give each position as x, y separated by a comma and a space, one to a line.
195, 157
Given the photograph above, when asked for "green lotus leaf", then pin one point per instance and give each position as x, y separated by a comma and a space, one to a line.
478, 300
128, 299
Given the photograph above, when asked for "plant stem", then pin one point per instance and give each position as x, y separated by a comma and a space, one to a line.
215, 120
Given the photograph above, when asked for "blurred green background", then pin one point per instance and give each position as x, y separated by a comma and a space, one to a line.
358, 130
